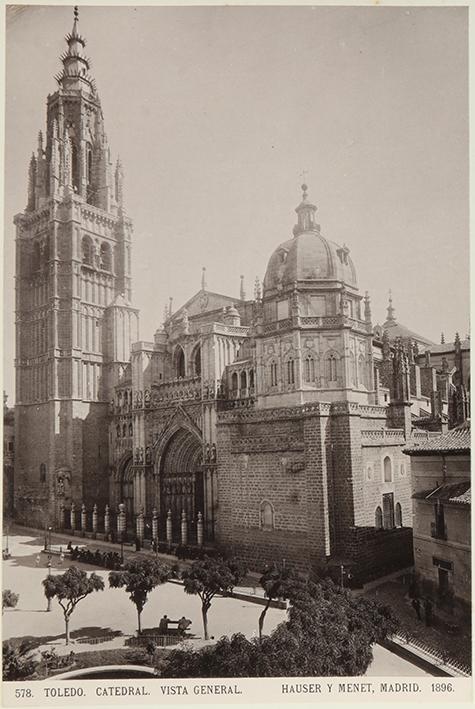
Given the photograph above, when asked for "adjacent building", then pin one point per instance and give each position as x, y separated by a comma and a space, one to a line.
441, 517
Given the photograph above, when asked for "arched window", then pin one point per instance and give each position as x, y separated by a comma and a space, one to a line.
388, 472
105, 257
234, 382
179, 362
124, 430
378, 518
352, 369
42, 473
273, 374
131, 430
251, 378
402, 470
266, 516
331, 369
369, 472
118, 430
74, 164
197, 362
362, 379
309, 369
290, 371
398, 515
87, 251
243, 380
89, 164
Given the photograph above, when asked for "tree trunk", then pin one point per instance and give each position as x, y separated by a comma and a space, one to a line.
261, 618
138, 620
204, 613
66, 621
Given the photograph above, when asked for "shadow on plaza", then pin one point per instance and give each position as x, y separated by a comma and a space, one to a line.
88, 634
31, 561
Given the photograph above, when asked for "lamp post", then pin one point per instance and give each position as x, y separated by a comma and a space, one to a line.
48, 607
49, 538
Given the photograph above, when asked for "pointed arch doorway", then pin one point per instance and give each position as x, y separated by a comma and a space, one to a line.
126, 491
181, 483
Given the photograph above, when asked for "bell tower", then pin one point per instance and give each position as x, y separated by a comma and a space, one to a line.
73, 293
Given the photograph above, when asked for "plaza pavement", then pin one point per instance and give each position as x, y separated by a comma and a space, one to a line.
111, 612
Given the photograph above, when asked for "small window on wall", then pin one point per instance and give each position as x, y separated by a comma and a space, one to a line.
273, 374
369, 472
42, 473
398, 515
282, 309
387, 467
402, 470
266, 516
234, 381
378, 518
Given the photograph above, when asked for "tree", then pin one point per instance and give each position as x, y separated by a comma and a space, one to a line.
140, 576
70, 588
17, 660
328, 633
277, 583
208, 577
9, 599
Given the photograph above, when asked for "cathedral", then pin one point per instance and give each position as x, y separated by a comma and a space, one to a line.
273, 426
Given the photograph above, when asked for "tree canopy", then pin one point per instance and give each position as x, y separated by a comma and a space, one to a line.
140, 576
278, 582
208, 577
328, 632
9, 599
70, 588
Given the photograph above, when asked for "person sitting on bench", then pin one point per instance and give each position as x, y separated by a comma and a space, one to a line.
163, 625
183, 625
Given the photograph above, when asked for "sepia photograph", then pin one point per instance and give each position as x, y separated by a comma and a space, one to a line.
236, 352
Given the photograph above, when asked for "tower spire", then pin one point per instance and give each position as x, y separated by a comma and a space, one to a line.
203, 278
76, 65
390, 317
242, 293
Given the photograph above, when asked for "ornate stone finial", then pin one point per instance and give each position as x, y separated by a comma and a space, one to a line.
390, 317
442, 338
367, 307
170, 306
257, 289
203, 278
457, 341
304, 192
76, 12
242, 293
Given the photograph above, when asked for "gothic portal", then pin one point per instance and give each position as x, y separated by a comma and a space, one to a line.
181, 482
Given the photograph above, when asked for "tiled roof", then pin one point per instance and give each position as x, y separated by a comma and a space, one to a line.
448, 347
396, 329
455, 441
455, 493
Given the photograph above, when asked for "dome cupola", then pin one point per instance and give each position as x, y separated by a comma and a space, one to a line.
308, 257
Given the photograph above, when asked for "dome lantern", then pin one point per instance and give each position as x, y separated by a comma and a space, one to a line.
306, 215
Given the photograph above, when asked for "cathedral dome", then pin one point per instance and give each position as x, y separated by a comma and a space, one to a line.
308, 256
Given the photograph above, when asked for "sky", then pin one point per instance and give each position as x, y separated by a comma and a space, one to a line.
220, 113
